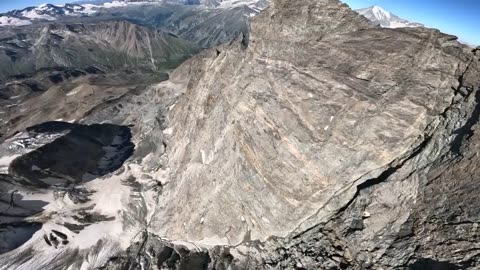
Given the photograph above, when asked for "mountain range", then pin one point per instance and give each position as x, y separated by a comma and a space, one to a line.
112, 45
203, 23
379, 16
49, 12
204, 135
45, 12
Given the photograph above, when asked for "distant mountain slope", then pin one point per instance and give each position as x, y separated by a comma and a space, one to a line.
386, 19
45, 12
204, 22
118, 45
49, 12
211, 3
206, 27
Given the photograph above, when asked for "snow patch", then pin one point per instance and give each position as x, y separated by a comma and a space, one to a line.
168, 131
5, 163
114, 4
34, 15
12, 21
384, 18
380, 13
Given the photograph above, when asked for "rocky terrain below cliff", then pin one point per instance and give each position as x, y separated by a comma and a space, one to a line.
315, 141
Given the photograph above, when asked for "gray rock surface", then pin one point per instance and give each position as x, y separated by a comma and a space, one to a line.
323, 119
316, 142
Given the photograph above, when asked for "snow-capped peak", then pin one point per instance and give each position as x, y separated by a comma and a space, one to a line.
44, 12
380, 13
384, 18
49, 12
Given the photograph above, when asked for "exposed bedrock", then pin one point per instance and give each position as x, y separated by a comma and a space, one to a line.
326, 123
283, 132
318, 142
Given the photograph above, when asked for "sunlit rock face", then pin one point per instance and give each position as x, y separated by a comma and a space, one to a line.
318, 141
315, 108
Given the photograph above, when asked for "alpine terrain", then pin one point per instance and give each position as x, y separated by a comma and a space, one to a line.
198, 135
381, 17
206, 23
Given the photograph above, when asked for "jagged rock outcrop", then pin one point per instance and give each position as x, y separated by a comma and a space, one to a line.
316, 142
323, 119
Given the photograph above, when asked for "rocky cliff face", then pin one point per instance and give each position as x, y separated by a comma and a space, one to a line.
316, 142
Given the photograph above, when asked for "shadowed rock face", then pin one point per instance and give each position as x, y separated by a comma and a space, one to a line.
83, 153
14, 235
14, 209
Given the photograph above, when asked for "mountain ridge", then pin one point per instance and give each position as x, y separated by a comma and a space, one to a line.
318, 141
384, 18
107, 45
49, 12
199, 23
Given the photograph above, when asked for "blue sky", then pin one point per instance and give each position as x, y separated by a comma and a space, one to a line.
457, 17
7, 5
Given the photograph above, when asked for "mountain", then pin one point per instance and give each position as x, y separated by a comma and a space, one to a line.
205, 27
49, 12
45, 12
204, 24
210, 3
106, 45
381, 17
317, 141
